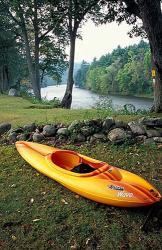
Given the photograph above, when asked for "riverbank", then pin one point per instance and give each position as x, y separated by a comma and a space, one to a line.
38, 213
19, 111
86, 99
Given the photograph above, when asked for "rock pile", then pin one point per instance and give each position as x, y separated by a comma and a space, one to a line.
145, 130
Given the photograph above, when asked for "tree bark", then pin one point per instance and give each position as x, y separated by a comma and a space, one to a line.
33, 68
67, 99
4, 79
36, 54
150, 12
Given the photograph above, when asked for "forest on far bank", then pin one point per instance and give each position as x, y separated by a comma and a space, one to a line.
125, 71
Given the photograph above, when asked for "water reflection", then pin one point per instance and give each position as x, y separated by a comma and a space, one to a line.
86, 99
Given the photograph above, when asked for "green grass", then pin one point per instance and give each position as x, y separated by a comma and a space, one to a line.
49, 223
33, 213
19, 111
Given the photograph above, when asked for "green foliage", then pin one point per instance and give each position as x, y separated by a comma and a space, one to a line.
43, 103
53, 60
104, 103
124, 71
80, 76
12, 62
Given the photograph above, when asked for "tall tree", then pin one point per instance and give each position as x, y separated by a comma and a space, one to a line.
34, 20
149, 12
53, 60
76, 12
11, 55
5, 45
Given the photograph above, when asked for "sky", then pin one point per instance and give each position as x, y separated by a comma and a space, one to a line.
100, 40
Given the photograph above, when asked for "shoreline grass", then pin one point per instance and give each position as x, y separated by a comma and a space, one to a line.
19, 111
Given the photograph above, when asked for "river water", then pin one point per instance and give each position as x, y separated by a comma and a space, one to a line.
86, 99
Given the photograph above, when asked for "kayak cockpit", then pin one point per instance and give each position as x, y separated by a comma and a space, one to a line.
73, 162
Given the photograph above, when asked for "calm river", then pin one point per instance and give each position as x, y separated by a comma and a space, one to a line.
86, 99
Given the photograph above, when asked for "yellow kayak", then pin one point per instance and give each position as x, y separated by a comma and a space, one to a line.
96, 180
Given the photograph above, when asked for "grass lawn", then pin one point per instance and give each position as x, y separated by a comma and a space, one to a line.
19, 111
38, 213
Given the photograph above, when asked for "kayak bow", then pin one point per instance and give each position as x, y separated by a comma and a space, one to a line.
104, 183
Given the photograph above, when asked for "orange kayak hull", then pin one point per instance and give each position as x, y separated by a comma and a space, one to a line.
106, 184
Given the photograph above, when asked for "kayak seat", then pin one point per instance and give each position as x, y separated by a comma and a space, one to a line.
71, 161
82, 168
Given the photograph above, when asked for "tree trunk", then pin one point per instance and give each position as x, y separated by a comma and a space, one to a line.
33, 70
36, 53
67, 99
4, 79
150, 12
35, 86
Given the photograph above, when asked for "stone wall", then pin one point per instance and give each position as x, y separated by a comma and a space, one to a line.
145, 130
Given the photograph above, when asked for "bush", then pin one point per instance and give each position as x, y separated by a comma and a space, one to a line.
27, 94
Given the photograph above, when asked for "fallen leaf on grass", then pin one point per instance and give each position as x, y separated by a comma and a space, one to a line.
35, 220
13, 237
87, 241
31, 200
13, 185
74, 246
64, 201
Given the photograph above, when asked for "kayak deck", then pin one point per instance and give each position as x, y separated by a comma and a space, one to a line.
102, 182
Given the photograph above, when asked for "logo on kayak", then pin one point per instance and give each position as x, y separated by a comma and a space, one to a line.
125, 194
114, 187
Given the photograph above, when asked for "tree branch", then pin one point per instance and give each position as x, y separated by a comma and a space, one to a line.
132, 7
45, 33
50, 28
85, 11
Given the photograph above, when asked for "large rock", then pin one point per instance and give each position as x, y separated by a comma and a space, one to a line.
118, 135
87, 130
63, 131
30, 127
98, 137
158, 139
149, 141
49, 130
151, 122
137, 128
78, 137
22, 137
75, 126
94, 122
38, 137
153, 133
4, 127
13, 92
108, 123
12, 136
